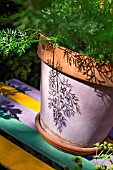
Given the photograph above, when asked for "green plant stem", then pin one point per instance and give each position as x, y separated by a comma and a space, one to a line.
105, 159
98, 155
35, 41
44, 40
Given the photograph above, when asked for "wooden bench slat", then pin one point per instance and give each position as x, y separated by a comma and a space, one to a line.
20, 97
17, 111
15, 158
25, 88
33, 139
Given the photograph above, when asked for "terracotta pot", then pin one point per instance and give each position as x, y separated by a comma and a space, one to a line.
76, 97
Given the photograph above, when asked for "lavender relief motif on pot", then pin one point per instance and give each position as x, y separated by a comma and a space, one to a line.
62, 101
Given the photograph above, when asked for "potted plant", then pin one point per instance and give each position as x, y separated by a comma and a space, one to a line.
76, 75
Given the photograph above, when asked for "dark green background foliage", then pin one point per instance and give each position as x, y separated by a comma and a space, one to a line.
20, 61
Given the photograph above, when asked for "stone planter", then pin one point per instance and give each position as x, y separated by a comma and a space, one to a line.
76, 99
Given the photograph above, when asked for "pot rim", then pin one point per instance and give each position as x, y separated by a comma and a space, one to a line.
76, 65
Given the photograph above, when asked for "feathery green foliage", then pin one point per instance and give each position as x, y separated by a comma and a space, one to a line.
29, 13
13, 42
85, 26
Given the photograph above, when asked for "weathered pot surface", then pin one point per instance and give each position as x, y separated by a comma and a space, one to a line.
76, 108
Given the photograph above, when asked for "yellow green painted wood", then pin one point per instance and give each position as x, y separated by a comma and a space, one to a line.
15, 158
19, 97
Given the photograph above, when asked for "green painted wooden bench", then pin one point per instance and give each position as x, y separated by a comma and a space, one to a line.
19, 105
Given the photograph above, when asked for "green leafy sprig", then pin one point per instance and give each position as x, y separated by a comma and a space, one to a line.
105, 154
14, 42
